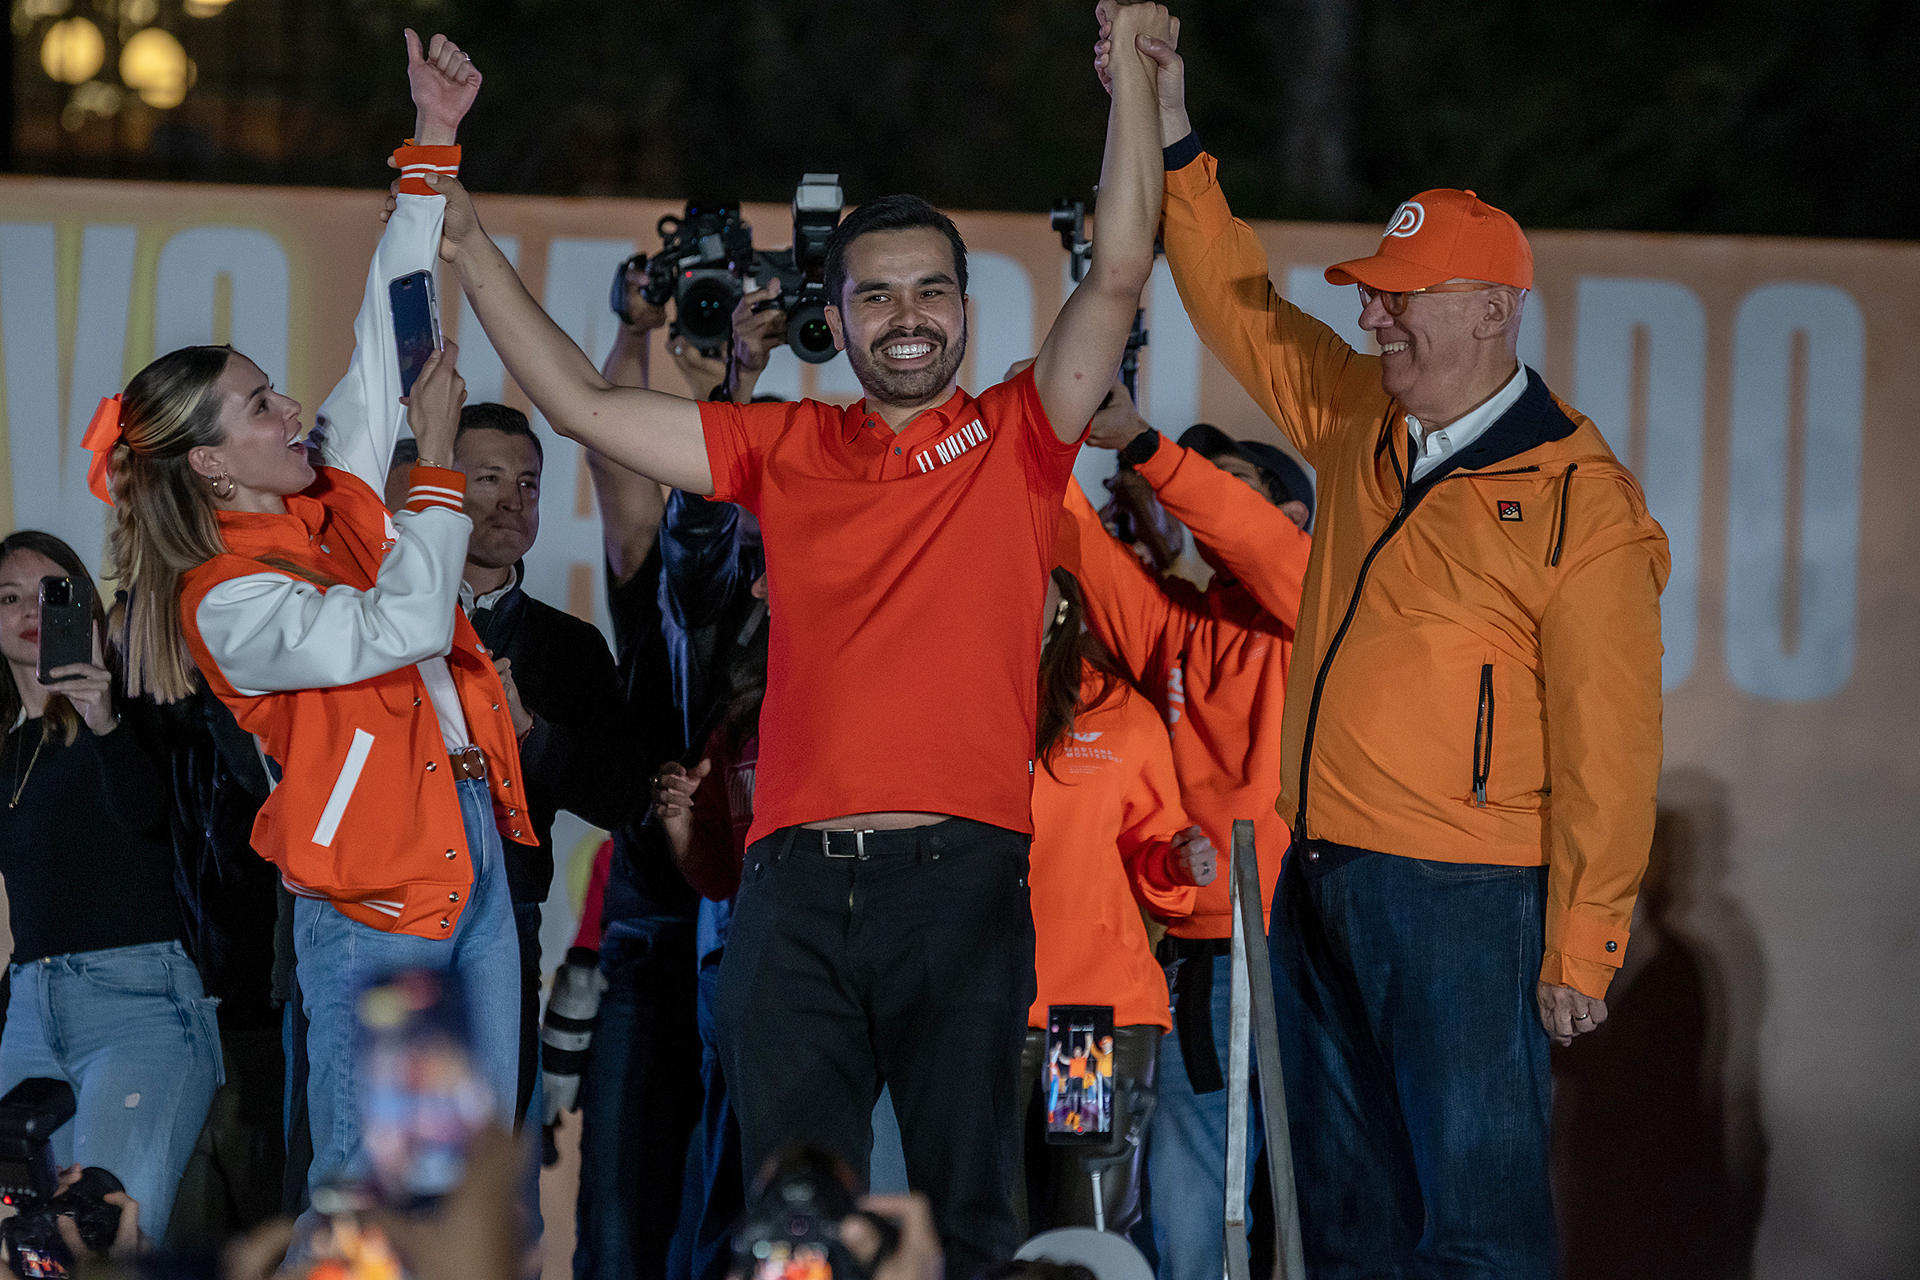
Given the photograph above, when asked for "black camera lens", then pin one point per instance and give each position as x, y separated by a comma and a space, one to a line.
706, 309
808, 334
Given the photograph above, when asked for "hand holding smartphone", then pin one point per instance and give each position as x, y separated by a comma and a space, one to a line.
66, 631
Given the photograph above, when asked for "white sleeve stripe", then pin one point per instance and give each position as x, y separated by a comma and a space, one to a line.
343, 788
435, 490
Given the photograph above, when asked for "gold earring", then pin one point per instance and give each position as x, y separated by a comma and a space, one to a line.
225, 495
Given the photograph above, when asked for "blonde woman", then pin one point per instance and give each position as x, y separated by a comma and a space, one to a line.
334, 635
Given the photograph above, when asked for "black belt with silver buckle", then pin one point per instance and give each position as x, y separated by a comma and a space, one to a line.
468, 762
845, 844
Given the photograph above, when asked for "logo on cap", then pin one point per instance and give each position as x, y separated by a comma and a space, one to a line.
1407, 219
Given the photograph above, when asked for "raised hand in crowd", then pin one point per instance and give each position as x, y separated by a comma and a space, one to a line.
1170, 79
444, 83
1194, 857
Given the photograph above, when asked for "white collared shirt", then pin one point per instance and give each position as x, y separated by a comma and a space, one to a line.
1441, 443
473, 604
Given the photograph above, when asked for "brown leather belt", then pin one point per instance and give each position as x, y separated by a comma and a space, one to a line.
468, 762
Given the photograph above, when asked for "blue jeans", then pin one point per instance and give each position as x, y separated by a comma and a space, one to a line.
1186, 1156
338, 958
1416, 1066
135, 1035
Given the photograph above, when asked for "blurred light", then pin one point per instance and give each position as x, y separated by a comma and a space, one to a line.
156, 66
139, 12
204, 8
94, 98
73, 50
30, 10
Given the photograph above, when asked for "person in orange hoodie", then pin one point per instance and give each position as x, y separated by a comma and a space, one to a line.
1110, 842
1472, 740
1215, 663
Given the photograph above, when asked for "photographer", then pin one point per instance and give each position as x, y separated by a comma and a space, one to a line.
103, 995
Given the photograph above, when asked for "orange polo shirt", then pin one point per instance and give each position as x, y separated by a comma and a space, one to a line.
1104, 817
907, 574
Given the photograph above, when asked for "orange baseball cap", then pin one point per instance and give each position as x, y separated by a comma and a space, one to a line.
1440, 235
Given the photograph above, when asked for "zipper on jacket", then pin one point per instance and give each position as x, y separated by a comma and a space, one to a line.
1407, 504
1483, 737
1560, 538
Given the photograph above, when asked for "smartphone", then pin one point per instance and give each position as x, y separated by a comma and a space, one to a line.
66, 626
416, 323
422, 1100
35, 1250
1078, 1073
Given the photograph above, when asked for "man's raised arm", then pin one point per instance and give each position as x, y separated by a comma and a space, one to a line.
655, 434
1076, 362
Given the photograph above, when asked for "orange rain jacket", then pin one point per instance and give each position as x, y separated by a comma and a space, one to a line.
1479, 658
1215, 663
1105, 811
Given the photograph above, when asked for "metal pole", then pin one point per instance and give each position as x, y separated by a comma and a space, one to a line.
1099, 1201
1251, 969
1239, 1047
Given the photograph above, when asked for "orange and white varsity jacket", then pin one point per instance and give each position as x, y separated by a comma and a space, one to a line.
333, 632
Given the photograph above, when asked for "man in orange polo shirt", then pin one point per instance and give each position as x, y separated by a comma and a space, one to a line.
1472, 732
882, 931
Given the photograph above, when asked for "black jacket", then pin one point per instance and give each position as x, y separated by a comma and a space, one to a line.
584, 752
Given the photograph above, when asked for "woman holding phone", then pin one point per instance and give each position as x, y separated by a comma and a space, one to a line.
104, 997
333, 633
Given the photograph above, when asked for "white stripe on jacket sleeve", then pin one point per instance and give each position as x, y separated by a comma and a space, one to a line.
270, 633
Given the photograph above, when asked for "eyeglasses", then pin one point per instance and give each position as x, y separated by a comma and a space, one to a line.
1395, 303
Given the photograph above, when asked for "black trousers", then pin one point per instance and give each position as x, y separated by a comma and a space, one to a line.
903, 958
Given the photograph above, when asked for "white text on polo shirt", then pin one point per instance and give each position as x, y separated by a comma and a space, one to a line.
952, 447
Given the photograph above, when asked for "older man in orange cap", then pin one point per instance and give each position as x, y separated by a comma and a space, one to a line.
1472, 732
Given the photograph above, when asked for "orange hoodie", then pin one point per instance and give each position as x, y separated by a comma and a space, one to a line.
1215, 663
1479, 674
1105, 811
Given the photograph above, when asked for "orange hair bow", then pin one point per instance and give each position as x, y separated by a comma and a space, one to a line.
102, 434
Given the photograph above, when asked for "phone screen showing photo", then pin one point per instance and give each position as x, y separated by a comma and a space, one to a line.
1077, 1076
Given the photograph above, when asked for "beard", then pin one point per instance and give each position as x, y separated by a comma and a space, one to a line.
908, 386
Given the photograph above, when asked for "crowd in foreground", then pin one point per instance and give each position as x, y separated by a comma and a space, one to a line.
906, 750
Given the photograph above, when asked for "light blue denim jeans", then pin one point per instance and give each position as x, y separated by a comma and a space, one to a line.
1186, 1156
338, 958
132, 1031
